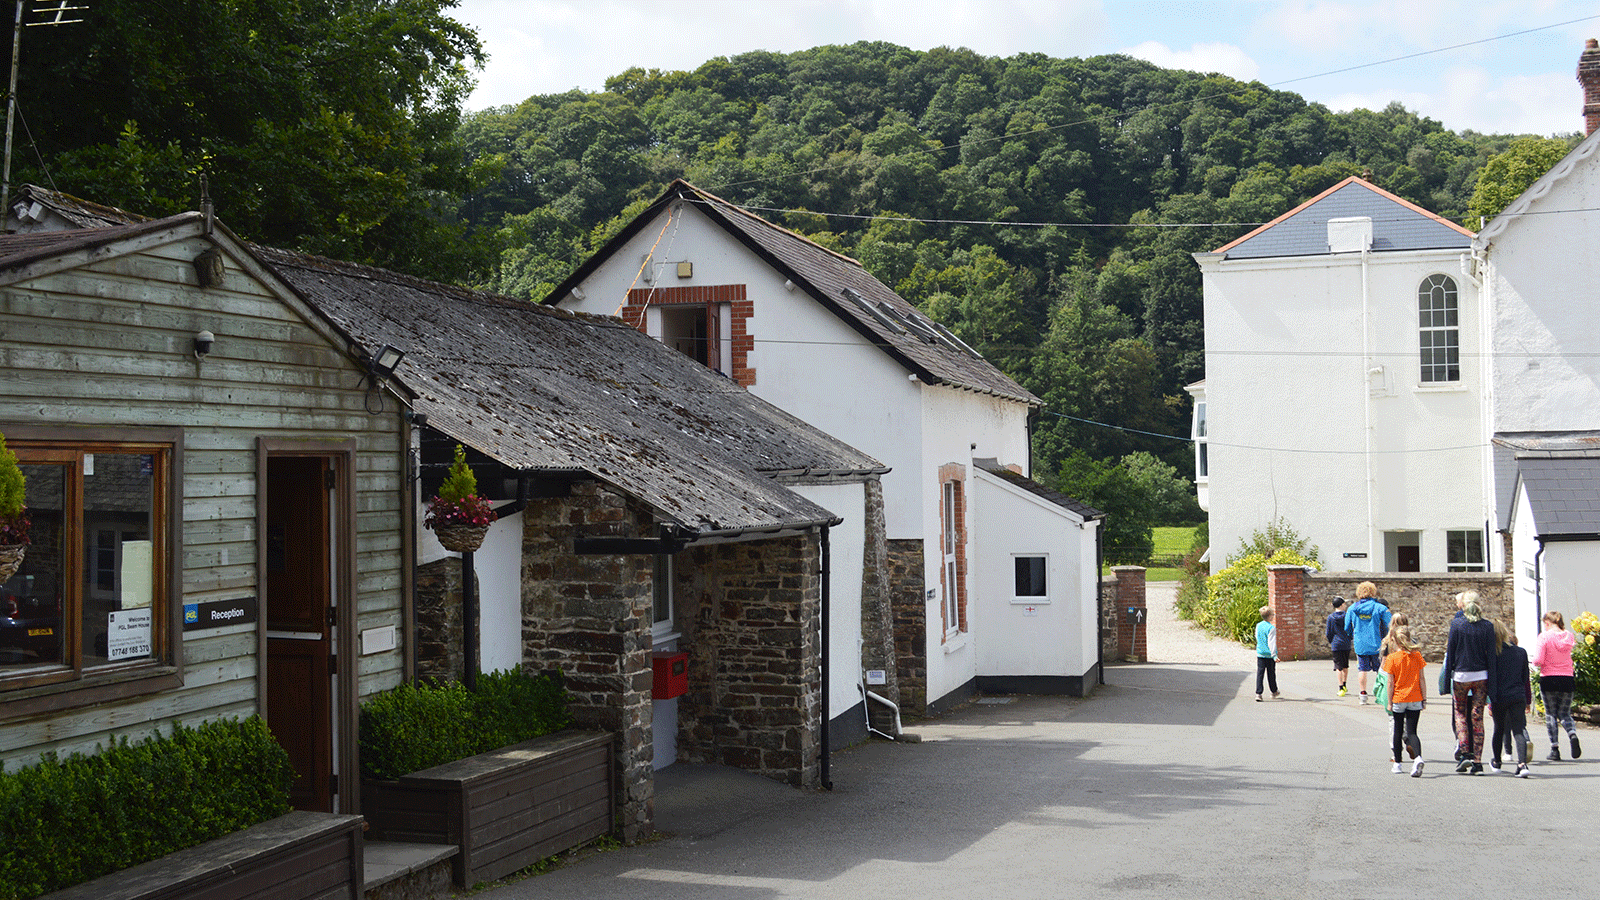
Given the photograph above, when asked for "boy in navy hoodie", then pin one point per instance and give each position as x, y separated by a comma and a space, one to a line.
1339, 643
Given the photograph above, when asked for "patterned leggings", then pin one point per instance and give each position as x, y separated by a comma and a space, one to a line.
1469, 717
1558, 711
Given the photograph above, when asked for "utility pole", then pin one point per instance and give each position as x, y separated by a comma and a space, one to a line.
50, 15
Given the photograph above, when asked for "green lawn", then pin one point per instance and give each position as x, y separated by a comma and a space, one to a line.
1169, 542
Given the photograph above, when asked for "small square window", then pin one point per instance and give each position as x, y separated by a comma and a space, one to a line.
1031, 583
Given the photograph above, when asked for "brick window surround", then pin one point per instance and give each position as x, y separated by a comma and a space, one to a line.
953, 547
741, 342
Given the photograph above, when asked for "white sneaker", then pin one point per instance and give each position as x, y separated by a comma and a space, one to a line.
1416, 768
1494, 769
1365, 699
1398, 768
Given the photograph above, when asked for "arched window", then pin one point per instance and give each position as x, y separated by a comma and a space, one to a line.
1439, 334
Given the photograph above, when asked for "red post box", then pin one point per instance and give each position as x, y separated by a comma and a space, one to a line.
671, 672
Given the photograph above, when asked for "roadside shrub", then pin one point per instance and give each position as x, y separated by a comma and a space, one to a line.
1586, 659
1278, 535
66, 821
419, 726
1192, 586
1235, 595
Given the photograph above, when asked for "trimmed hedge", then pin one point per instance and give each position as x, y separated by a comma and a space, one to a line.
66, 821
416, 727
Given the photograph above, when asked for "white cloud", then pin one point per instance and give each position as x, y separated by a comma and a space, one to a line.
1216, 57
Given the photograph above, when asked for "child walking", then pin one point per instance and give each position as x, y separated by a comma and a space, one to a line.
1552, 656
1266, 653
1403, 663
1510, 698
1339, 643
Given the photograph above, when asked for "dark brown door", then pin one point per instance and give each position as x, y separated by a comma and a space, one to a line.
1409, 559
298, 611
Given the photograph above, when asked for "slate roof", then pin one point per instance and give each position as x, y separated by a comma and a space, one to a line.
1397, 224
841, 285
21, 249
543, 390
1083, 510
1563, 491
1510, 450
73, 211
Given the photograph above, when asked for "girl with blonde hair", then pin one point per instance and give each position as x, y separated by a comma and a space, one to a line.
1403, 663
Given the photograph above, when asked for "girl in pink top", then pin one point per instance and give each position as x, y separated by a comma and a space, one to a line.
1552, 656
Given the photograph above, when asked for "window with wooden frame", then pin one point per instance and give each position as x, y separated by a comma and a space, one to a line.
90, 602
952, 543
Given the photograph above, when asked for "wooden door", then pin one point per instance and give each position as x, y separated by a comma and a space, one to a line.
298, 613
1409, 559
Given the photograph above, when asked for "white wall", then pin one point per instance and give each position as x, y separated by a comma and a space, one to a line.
846, 557
1562, 577
498, 564
1055, 636
1292, 398
1543, 298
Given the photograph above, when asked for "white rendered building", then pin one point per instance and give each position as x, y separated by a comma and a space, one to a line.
1344, 390
812, 332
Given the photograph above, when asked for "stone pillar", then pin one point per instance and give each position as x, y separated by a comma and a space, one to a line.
751, 623
877, 611
907, 586
1589, 77
590, 618
1286, 594
1132, 636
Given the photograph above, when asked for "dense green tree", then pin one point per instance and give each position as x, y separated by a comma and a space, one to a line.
324, 125
1506, 175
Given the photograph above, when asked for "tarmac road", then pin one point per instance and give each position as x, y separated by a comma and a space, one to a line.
1169, 782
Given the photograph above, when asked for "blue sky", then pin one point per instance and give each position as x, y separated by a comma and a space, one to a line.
1499, 82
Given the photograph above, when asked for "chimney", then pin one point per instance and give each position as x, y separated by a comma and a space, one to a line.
1589, 77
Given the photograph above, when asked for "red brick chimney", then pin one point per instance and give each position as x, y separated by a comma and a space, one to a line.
1589, 77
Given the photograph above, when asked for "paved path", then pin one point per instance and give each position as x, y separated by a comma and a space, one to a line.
1170, 782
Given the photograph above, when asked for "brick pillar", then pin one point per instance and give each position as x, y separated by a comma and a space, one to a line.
1286, 594
1132, 637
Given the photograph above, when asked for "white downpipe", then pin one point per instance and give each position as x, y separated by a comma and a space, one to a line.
1366, 405
869, 695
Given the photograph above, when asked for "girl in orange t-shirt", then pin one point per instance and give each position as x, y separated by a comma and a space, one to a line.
1403, 663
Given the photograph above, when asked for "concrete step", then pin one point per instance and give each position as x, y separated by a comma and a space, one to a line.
400, 871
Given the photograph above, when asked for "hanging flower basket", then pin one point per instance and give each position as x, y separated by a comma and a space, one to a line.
460, 538
459, 516
10, 560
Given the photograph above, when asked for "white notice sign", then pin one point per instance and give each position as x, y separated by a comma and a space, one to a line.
128, 634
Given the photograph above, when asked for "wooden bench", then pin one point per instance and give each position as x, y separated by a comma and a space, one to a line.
299, 856
505, 809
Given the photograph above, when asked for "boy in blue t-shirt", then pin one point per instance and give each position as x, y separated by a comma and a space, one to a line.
1266, 653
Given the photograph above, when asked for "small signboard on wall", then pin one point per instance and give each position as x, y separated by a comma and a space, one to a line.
217, 613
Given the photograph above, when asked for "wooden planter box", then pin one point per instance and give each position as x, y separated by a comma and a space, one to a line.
505, 809
300, 856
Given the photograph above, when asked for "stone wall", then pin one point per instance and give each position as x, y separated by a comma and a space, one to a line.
438, 620
907, 591
1427, 600
590, 618
750, 617
877, 611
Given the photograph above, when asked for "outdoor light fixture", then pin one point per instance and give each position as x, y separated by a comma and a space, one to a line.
202, 344
380, 364
384, 361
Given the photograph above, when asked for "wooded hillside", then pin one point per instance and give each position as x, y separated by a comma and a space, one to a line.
1044, 209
